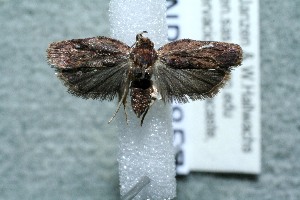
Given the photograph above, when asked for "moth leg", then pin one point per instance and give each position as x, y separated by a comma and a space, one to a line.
124, 104
122, 101
154, 96
144, 115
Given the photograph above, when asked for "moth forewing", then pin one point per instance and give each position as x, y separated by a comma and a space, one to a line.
189, 69
91, 67
189, 54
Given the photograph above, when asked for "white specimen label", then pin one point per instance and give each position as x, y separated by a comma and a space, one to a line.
220, 134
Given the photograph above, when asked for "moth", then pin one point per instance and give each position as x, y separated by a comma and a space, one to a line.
104, 68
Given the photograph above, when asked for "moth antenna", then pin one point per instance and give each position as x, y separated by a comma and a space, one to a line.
140, 35
133, 44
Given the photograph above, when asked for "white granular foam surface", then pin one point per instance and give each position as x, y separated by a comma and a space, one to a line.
147, 150
129, 17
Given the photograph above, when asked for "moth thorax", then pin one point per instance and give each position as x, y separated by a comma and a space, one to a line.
141, 73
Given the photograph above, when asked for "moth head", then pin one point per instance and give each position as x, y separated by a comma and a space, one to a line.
142, 41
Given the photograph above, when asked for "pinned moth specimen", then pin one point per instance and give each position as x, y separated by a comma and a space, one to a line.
103, 68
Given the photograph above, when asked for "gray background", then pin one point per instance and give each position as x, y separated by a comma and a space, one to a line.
56, 146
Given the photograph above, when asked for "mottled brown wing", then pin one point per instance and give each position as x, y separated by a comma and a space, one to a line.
189, 69
92, 67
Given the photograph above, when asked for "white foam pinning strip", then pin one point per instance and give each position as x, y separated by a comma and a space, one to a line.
147, 150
